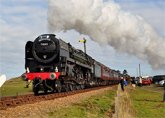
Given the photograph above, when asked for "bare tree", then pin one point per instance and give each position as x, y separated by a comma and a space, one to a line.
125, 72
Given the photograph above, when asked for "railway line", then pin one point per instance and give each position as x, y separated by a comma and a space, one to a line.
13, 101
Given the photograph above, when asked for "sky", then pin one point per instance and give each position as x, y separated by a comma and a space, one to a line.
24, 20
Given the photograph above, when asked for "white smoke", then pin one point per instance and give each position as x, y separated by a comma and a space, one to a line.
106, 23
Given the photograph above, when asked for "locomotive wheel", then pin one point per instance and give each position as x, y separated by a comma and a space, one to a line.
74, 86
35, 88
78, 87
67, 87
44, 87
82, 86
71, 87
58, 89
45, 91
59, 86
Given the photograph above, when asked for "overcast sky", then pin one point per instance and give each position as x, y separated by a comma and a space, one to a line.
23, 20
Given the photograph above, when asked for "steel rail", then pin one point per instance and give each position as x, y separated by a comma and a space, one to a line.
13, 101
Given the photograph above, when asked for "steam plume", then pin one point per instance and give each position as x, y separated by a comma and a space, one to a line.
106, 23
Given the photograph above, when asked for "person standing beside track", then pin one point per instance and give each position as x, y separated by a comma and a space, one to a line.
122, 83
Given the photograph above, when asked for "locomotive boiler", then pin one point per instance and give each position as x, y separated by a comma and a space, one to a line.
54, 65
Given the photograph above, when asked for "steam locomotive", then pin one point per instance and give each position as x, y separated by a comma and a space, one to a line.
54, 65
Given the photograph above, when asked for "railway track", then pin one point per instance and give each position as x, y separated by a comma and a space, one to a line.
13, 101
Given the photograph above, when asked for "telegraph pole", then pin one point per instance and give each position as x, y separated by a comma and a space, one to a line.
139, 71
84, 41
84, 45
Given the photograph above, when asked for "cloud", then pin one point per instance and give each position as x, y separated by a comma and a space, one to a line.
107, 23
151, 10
18, 24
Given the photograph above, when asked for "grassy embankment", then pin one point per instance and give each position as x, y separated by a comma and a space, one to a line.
98, 106
13, 87
147, 102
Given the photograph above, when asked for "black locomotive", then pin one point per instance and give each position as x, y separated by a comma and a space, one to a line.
54, 65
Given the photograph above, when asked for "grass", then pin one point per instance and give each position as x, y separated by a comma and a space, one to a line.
98, 106
154, 87
13, 87
123, 104
148, 103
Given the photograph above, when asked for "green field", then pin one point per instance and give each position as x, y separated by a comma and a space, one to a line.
99, 106
15, 86
147, 102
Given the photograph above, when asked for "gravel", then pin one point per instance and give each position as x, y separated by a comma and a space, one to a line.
41, 109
